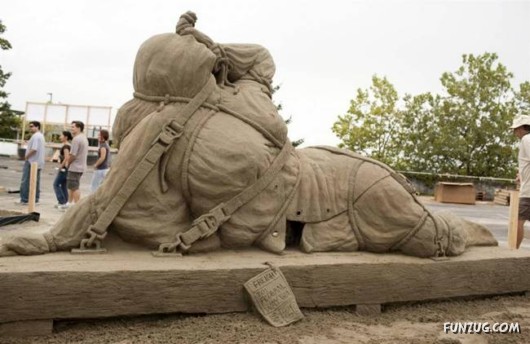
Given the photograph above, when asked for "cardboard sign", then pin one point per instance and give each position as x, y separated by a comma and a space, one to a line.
273, 298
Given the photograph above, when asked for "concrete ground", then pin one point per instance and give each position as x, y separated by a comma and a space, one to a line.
10, 175
494, 217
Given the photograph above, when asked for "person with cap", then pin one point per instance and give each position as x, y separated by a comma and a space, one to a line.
521, 127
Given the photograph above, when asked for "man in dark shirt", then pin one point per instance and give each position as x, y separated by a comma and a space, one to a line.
59, 184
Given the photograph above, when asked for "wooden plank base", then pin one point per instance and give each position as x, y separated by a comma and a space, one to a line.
133, 282
26, 328
368, 310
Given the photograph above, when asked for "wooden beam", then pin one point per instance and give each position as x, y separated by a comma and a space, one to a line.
63, 286
513, 219
26, 328
368, 310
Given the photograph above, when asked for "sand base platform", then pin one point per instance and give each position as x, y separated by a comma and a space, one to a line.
36, 290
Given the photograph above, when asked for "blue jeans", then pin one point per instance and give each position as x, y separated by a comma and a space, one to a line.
24, 184
59, 186
97, 179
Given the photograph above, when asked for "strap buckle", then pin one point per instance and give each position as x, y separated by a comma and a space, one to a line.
439, 255
208, 223
172, 249
92, 242
168, 249
204, 226
440, 251
169, 133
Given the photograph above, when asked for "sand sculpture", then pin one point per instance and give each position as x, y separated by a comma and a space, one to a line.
205, 162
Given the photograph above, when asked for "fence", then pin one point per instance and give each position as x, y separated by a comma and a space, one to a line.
95, 118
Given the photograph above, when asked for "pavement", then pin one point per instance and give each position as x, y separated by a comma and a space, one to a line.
493, 216
10, 176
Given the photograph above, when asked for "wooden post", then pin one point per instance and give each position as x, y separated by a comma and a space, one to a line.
66, 117
109, 115
32, 186
45, 119
514, 217
87, 123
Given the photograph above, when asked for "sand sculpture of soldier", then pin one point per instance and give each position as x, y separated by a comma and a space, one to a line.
205, 162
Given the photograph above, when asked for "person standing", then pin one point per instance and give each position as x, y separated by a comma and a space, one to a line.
34, 153
77, 163
521, 128
102, 165
59, 184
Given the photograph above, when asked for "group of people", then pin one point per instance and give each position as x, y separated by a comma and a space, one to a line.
73, 156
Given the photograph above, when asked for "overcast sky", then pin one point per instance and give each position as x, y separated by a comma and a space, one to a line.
83, 51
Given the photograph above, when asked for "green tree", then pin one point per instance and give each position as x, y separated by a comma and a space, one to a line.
418, 134
464, 130
523, 98
9, 121
372, 122
473, 119
288, 121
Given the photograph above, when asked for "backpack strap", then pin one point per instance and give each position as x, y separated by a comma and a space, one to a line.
170, 132
208, 223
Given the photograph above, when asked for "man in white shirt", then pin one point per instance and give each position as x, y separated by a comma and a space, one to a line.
34, 153
521, 127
